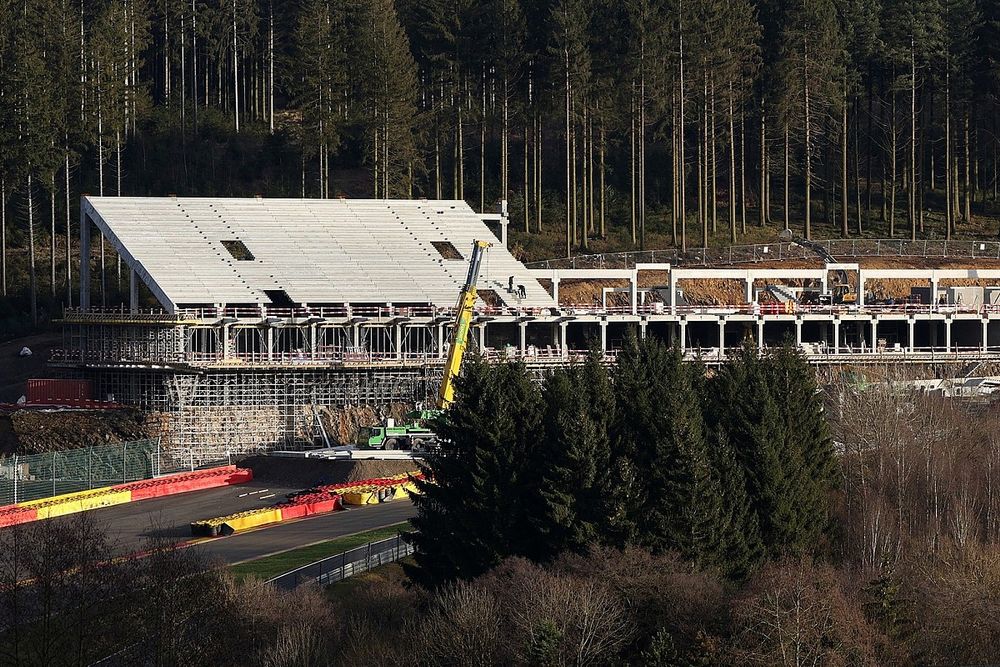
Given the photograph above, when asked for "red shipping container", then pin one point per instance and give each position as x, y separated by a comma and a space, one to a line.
46, 391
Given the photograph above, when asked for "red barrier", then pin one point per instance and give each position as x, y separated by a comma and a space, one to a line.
13, 515
189, 481
313, 503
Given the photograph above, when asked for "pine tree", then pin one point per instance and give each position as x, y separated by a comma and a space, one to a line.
472, 515
387, 77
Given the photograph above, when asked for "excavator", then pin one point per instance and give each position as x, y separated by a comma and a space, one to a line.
415, 435
842, 291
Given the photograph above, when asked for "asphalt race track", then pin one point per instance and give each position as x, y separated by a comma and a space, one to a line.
138, 526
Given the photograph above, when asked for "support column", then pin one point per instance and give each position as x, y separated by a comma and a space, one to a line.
722, 337
874, 335
604, 336
934, 291
911, 326
798, 332
270, 343
836, 336
555, 290
634, 291
947, 334
397, 339
749, 289
522, 336
562, 338
683, 326
985, 338
504, 220
673, 293
133, 292
482, 337
313, 352
861, 288
84, 260
355, 337
226, 345
642, 329
760, 333
440, 340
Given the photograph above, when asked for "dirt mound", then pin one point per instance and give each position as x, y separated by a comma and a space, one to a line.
585, 292
711, 291
311, 472
35, 431
342, 424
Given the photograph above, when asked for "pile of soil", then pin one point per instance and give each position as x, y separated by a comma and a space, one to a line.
305, 473
342, 424
37, 431
710, 291
585, 292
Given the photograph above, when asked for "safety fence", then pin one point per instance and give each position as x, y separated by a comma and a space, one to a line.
347, 564
25, 477
762, 252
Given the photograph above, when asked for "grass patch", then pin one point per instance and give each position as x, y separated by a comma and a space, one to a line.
344, 591
271, 566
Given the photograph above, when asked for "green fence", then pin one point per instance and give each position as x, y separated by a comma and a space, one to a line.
34, 476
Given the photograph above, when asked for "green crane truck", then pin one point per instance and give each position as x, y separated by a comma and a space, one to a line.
414, 435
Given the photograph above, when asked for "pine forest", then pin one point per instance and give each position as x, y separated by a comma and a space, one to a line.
606, 125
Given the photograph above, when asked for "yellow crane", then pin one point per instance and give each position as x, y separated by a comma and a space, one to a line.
415, 434
463, 323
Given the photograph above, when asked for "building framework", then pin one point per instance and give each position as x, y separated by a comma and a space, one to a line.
240, 359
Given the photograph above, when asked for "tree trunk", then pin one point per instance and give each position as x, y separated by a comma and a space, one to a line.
808, 148
3, 236
680, 149
968, 168
52, 235
601, 184
743, 173
785, 191
526, 199
912, 189
569, 161
844, 231
732, 168
949, 220
33, 277
762, 204
713, 164
236, 70
69, 238
892, 162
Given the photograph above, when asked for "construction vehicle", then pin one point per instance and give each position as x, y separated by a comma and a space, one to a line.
416, 434
842, 292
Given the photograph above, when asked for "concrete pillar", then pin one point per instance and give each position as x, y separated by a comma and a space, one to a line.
482, 336
397, 339
683, 329
634, 291
355, 337
642, 329
985, 338
555, 290
874, 334
673, 293
562, 338
85, 260
522, 338
911, 326
133, 292
270, 343
722, 335
934, 291
798, 332
749, 289
226, 345
313, 352
504, 220
440, 340
861, 288
947, 335
604, 336
760, 333
836, 336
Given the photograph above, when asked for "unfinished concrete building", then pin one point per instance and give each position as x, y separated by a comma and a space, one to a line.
245, 317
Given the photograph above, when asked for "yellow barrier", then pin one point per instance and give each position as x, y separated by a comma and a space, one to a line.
71, 503
360, 498
251, 520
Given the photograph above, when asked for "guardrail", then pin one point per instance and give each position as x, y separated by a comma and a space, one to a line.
761, 252
340, 566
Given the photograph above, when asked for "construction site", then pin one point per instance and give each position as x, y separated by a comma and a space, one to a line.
258, 324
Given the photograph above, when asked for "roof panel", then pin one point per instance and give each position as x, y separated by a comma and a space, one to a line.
316, 250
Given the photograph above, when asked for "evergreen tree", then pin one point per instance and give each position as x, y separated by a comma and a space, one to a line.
572, 458
473, 514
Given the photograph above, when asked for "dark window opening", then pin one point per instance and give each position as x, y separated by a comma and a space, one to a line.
280, 298
239, 251
447, 250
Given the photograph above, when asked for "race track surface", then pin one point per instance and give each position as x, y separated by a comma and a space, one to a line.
134, 527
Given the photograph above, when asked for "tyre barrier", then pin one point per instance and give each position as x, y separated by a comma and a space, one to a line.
82, 501
318, 500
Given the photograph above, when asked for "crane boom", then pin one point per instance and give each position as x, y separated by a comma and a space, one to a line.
463, 322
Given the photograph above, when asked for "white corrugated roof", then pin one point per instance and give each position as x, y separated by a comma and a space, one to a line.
315, 250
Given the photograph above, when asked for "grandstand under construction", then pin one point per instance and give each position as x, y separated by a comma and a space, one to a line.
247, 317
